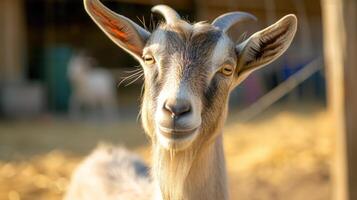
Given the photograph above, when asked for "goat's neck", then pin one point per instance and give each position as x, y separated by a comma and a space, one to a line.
190, 175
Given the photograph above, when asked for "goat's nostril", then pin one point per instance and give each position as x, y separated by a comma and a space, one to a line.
177, 107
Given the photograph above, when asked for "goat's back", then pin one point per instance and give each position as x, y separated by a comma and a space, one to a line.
110, 173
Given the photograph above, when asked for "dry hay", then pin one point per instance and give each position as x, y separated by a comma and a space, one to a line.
42, 177
284, 157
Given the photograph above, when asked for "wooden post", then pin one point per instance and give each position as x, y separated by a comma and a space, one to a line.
340, 42
12, 40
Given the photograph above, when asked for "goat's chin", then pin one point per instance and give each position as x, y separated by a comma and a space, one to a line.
176, 144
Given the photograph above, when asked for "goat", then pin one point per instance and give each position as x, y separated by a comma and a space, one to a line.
93, 89
189, 70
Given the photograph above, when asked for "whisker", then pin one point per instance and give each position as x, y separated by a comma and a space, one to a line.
132, 76
141, 75
141, 97
134, 80
127, 79
139, 115
134, 71
131, 71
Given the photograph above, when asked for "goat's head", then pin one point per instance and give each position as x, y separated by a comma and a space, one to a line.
190, 69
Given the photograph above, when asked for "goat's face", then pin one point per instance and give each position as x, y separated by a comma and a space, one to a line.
188, 74
191, 69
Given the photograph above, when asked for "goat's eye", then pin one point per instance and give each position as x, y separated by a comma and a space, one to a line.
226, 70
149, 59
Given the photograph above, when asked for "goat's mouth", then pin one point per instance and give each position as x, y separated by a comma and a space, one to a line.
177, 139
176, 134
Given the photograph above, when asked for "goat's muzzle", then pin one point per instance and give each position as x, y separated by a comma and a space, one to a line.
177, 123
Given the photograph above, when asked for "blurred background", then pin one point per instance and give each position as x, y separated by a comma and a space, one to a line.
60, 96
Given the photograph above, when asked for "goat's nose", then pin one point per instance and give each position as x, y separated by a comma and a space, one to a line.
177, 107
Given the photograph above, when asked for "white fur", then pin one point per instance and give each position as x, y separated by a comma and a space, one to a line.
174, 89
108, 173
92, 89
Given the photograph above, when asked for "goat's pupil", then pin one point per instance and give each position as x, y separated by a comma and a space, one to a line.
148, 59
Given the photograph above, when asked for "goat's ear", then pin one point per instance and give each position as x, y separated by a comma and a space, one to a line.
121, 30
265, 46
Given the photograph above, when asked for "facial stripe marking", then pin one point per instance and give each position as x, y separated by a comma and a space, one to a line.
210, 93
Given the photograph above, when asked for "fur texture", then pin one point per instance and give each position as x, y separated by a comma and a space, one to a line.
110, 173
198, 64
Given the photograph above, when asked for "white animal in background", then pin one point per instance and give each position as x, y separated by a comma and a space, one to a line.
93, 89
189, 70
